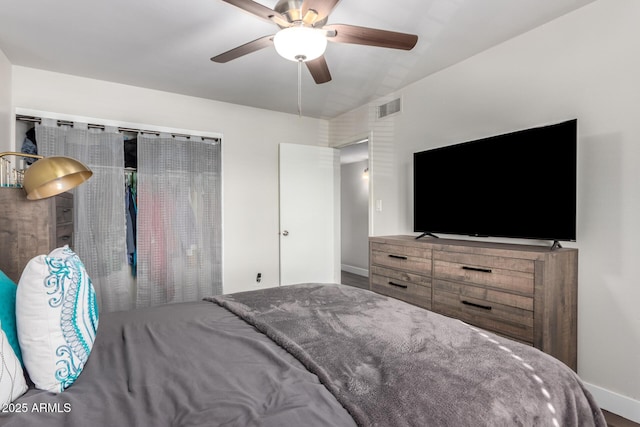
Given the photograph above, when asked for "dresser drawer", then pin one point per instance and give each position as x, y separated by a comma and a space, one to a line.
502, 312
405, 258
64, 235
403, 286
64, 214
512, 274
416, 279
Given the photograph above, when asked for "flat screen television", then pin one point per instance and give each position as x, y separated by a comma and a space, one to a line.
520, 185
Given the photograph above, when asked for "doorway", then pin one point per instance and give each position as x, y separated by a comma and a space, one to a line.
354, 213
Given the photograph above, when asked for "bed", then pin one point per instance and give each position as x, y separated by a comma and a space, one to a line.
307, 355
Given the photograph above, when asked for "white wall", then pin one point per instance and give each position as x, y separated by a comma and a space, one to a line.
6, 112
354, 217
584, 65
250, 153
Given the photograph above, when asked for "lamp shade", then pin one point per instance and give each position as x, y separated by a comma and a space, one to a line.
300, 43
54, 175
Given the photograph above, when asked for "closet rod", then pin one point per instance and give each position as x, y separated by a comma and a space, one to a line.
34, 119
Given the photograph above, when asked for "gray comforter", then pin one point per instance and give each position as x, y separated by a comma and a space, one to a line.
190, 364
386, 362
393, 364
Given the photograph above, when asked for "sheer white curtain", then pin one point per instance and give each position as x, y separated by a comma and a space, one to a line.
99, 216
179, 219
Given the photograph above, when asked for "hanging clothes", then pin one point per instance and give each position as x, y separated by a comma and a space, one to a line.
131, 214
29, 145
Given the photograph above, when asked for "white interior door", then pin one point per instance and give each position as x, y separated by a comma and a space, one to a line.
309, 214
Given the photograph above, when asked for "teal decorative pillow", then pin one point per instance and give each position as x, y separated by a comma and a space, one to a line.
12, 382
57, 317
8, 313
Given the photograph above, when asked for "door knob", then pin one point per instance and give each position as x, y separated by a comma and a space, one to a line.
285, 233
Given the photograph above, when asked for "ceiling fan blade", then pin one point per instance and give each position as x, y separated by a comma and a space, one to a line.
371, 37
245, 49
321, 7
319, 70
258, 10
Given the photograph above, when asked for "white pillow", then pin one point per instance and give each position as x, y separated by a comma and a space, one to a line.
57, 318
12, 382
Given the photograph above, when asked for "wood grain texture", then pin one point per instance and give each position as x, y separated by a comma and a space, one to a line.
371, 36
528, 293
244, 49
319, 70
409, 288
614, 420
30, 228
402, 272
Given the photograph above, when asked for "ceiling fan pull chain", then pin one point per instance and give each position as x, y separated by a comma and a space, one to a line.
300, 87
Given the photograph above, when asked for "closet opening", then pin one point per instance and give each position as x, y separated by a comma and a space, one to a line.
148, 224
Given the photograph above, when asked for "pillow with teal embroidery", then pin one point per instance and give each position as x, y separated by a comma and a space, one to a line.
57, 318
8, 313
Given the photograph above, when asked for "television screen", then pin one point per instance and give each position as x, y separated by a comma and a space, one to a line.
521, 184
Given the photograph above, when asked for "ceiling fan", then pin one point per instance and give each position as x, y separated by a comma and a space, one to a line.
303, 34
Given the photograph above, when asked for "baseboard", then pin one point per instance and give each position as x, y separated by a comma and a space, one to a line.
621, 405
355, 270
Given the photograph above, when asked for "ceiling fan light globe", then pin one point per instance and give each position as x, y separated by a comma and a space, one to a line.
300, 43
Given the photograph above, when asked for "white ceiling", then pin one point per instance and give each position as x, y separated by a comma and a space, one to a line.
166, 45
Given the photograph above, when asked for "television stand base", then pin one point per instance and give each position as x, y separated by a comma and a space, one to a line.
426, 233
556, 245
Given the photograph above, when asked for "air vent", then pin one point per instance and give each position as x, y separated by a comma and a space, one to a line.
389, 108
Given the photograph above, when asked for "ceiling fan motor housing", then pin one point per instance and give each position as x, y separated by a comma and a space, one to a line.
292, 10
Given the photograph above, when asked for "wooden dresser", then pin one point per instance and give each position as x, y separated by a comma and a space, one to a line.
30, 228
527, 293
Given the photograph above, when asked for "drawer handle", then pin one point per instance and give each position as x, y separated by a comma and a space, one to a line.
482, 270
472, 304
398, 285
397, 256
64, 238
65, 210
